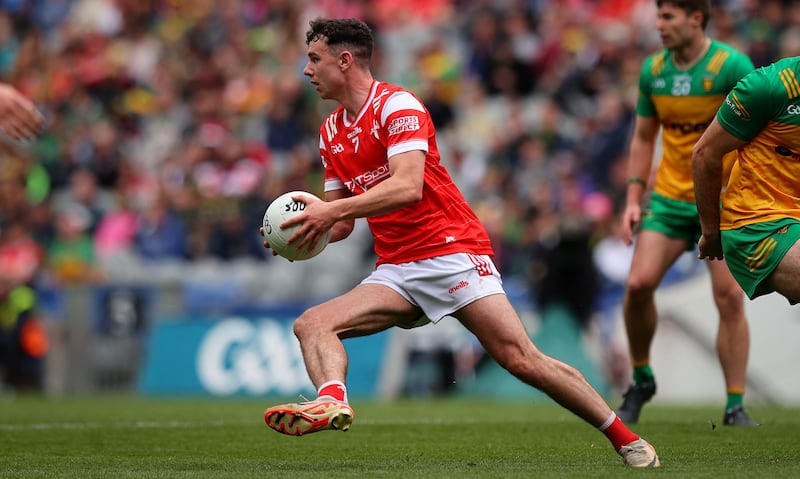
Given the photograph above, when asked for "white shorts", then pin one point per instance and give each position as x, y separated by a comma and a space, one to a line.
442, 285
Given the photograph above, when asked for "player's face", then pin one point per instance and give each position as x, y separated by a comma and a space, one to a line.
675, 26
323, 69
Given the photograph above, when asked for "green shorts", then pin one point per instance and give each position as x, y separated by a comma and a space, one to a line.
754, 251
675, 219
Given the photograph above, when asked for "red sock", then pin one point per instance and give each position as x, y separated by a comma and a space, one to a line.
617, 432
334, 390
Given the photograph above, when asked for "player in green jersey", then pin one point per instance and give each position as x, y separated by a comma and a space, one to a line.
758, 227
680, 90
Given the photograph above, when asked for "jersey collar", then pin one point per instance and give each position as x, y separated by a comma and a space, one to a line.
364, 107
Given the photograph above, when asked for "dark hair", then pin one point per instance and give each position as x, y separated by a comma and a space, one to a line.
691, 6
343, 33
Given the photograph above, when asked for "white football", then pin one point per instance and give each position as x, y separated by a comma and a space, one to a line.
280, 210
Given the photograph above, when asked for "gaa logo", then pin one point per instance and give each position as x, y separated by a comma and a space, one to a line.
793, 109
337, 148
239, 356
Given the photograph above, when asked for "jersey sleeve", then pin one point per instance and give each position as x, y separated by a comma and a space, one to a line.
644, 103
748, 107
406, 124
332, 181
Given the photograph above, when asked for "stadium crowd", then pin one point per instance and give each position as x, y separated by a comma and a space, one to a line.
172, 123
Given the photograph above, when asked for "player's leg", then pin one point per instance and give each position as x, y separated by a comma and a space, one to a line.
654, 253
500, 331
365, 310
733, 341
784, 278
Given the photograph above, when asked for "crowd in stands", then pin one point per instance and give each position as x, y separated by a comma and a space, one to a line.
172, 123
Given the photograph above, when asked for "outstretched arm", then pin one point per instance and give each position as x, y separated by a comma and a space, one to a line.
19, 118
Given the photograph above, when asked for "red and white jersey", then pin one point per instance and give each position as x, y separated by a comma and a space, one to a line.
356, 157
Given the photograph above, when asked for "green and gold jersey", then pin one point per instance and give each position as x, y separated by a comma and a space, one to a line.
764, 110
685, 101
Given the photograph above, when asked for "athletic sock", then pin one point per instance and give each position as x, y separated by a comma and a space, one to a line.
642, 372
335, 390
735, 398
617, 432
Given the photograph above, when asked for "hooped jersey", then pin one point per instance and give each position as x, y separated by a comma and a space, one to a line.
355, 154
685, 102
764, 110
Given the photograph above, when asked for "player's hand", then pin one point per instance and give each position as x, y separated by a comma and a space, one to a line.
631, 219
19, 118
710, 247
316, 220
266, 243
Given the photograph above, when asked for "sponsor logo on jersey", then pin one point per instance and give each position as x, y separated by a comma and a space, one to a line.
685, 127
368, 178
404, 123
337, 148
793, 109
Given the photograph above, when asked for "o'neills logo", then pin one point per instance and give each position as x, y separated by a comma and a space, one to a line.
460, 285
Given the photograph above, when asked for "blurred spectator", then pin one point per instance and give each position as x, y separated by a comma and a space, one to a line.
607, 136
564, 273
160, 233
71, 256
85, 195
116, 229
23, 341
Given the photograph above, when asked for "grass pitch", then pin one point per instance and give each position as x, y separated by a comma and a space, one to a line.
125, 437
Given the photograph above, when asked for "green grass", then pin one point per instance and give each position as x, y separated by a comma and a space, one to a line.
122, 437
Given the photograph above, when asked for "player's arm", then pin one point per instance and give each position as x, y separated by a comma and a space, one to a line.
402, 188
640, 162
707, 170
19, 118
341, 229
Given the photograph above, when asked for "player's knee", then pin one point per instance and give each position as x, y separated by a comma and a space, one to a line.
729, 301
522, 366
640, 287
305, 324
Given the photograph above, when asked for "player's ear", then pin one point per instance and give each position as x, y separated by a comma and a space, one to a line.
345, 59
697, 16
